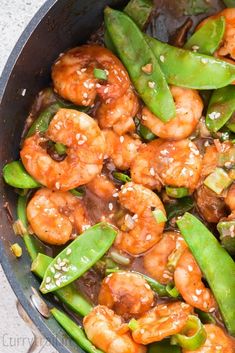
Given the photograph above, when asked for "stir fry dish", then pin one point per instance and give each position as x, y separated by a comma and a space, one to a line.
126, 184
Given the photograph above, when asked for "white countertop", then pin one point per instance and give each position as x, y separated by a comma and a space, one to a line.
15, 335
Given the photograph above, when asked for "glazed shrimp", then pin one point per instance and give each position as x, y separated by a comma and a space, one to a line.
102, 187
162, 321
227, 47
173, 163
54, 216
73, 75
107, 332
84, 156
189, 108
121, 149
127, 293
156, 260
230, 198
145, 231
217, 341
118, 114
188, 281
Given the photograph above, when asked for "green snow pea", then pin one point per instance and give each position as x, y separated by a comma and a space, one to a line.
75, 331
216, 264
221, 108
227, 235
229, 3
33, 245
194, 7
208, 38
206, 318
15, 175
135, 54
164, 346
78, 257
69, 295
139, 11
179, 207
192, 70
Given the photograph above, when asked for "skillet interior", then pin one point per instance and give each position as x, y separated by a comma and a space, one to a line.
57, 26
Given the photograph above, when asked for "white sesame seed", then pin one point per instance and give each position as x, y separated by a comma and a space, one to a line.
65, 269
48, 279
57, 185
162, 58
78, 72
195, 47
115, 194
110, 206
152, 171
106, 90
195, 298
135, 216
147, 286
85, 95
121, 139
57, 282
144, 117
204, 60
211, 310
83, 69
57, 275
52, 270
214, 115
81, 142
142, 331
198, 291
190, 268
68, 251
98, 85
151, 84
148, 237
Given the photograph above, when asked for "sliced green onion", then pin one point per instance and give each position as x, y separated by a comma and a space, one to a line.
100, 74
60, 148
159, 216
227, 159
172, 290
133, 325
177, 193
227, 235
119, 258
206, 318
186, 340
15, 175
218, 181
77, 192
121, 177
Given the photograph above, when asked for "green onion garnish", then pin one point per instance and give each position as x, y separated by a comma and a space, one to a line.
60, 148
177, 193
218, 181
100, 74
159, 216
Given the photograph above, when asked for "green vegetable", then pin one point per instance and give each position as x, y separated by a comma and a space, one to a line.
186, 340
208, 38
177, 193
121, 177
100, 74
206, 318
135, 53
42, 122
172, 290
60, 148
69, 294
133, 324
227, 158
195, 7
159, 216
229, 3
15, 175
32, 245
75, 331
227, 235
16, 249
145, 133
218, 181
192, 70
179, 207
139, 11
216, 264
108, 42
163, 346
221, 108
78, 257
79, 192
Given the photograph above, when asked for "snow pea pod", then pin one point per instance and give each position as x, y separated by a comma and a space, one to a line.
216, 264
227, 235
164, 346
221, 108
75, 331
135, 54
15, 175
69, 295
139, 11
208, 38
192, 70
78, 257
229, 3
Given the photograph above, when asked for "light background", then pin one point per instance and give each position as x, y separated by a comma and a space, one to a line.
15, 335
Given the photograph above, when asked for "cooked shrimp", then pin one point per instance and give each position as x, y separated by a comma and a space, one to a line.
211, 206
145, 231
217, 341
188, 281
230, 198
102, 187
85, 151
127, 293
156, 260
121, 149
227, 47
73, 75
173, 163
189, 108
107, 331
54, 216
118, 114
162, 321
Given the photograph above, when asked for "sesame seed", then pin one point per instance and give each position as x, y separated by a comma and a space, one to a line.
110, 206
57, 283
52, 270
195, 298
81, 142
198, 291
214, 115
83, 69
98, 85
151, 84
204, 60
162, 58
23, 92
48, 279
190, 268
57, 185
48, 287
78, 72
211, 310
144, 117
152, 171
85, 95
148, 237
65, 269
135, 216
106, 90
142, 331
115, 194
195, 47
147, 286
68, 251
57, 275
121, 139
